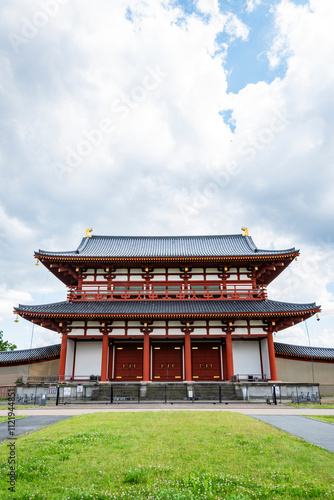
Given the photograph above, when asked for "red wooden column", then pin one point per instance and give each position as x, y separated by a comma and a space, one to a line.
146, 358
187, 357
271, 352
62, 362
229, 356
104, 362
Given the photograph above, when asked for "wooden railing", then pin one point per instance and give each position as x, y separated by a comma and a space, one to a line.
166, 292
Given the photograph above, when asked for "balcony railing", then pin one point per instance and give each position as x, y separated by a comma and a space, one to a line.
166, 292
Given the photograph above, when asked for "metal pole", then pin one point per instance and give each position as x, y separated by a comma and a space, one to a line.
138, 394
165, 394
274, 395
111, 394
57, 398
220, 393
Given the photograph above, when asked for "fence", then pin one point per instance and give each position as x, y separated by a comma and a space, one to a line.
125, 393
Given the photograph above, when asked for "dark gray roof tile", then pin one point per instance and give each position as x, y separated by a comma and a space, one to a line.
303, 351
125, 307
167, 246
26, 355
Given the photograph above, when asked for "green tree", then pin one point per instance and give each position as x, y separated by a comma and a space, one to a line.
5, 345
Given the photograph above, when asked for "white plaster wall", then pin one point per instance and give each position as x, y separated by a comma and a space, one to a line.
88, 359
134, 331
134, 323
77, 331
246, 357
240, 331
94, 331
200, 331
255, 322
216, 331
88, 278
265, 358
69, 358
77, 323
175, 331
240, 322
121, 277
95, 324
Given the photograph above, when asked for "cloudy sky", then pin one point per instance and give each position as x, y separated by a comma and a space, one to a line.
166, 118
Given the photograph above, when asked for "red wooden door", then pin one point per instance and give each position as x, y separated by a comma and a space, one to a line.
206, 361
128, 362
167, 362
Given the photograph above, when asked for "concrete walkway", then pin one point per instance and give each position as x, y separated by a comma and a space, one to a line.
312, 430
29, 424
246, 409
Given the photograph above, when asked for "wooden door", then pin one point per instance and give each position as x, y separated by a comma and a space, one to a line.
206, 361
167, 362
128, 362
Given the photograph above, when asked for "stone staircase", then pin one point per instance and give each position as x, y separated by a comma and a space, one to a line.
166, 392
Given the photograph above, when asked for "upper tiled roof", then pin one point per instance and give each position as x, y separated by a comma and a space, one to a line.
303, 351
168, 307
166, 246
26, 355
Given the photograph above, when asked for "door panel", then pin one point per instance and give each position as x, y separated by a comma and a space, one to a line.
128, 362
206, 361
167, 362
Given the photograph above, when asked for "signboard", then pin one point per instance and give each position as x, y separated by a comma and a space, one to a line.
79, 388
67, 392
53, 389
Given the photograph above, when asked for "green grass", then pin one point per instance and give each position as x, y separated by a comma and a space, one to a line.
317, 407
167, 456
17, 407
325, 418
4, 419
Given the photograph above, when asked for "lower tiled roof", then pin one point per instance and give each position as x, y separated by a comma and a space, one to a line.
26, 355
303, 351
168, 307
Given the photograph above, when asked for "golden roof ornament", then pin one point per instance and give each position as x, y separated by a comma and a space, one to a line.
246, 232
87, 233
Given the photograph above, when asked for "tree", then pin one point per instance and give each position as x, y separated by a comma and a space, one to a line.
5, 345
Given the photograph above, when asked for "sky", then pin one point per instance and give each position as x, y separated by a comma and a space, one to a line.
166, 118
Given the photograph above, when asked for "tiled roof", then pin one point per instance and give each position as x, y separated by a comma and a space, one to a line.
166, 246
26, 355
168, 307
303, 351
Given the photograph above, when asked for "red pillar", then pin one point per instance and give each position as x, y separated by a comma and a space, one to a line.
272, 361
187, 357
146, 358
229, 356
104, 362
62, 362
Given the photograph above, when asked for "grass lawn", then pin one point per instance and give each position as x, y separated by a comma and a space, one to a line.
325, 418
317, 407
167, 456
16, 407
4, 419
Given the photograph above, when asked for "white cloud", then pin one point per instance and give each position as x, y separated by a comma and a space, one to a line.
252, 4
170, 164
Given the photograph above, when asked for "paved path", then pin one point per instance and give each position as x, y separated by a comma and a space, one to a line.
310, 429
246, 409
29, 424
